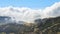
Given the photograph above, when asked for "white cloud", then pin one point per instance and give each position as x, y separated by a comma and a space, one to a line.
52, 11
25, 14
28, 14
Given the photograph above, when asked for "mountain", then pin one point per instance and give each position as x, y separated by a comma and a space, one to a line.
51, 21
4, 19
7, 19
39, 26
15, 28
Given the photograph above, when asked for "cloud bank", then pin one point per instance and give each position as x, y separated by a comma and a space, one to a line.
52, 11
28, 14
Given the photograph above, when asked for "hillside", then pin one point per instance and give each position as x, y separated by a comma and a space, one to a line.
40, 26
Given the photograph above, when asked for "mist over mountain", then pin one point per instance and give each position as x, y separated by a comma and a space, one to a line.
6, 20
28, 14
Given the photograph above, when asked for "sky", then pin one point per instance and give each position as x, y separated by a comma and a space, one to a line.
35, 4
29, 10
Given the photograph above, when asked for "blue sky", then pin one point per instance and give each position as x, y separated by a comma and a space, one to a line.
28, 3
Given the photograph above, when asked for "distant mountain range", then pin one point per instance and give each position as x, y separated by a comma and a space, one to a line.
7, 19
